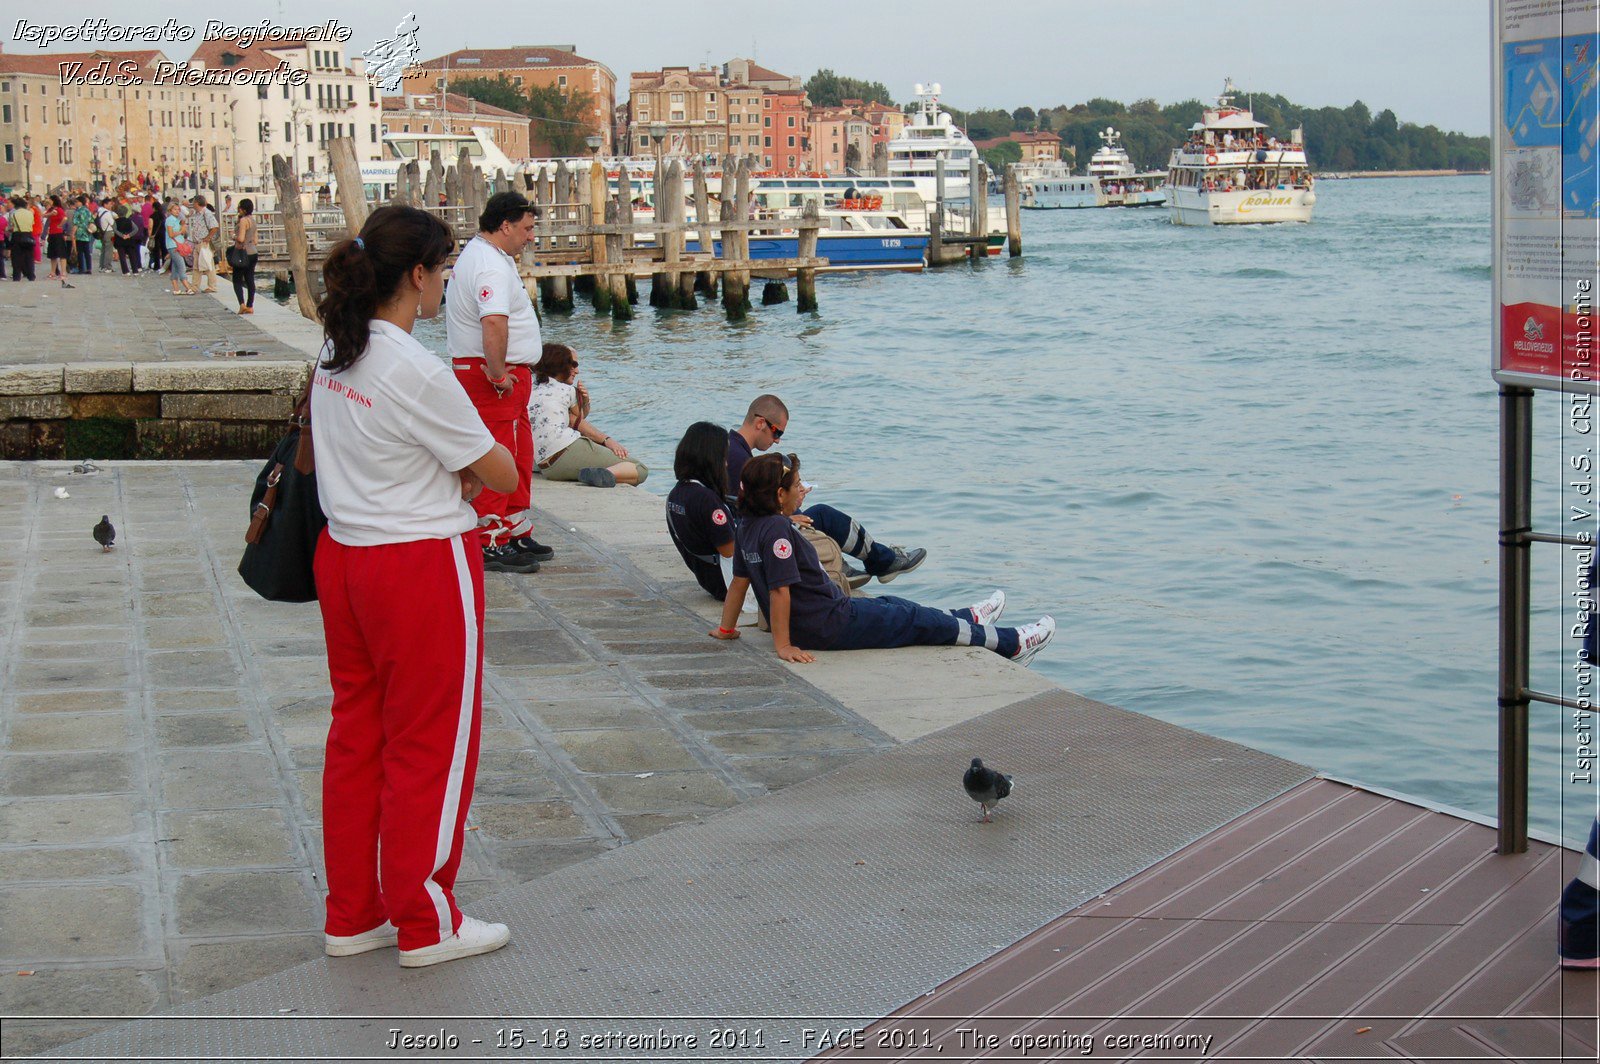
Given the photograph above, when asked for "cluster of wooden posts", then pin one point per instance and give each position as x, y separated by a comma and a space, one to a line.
586, 239
589, 244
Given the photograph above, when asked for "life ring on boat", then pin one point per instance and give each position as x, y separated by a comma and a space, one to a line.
1211, 159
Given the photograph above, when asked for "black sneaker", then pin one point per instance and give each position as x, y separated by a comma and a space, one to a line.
598, 477
904, 562
530, 547
506, 560
856, 578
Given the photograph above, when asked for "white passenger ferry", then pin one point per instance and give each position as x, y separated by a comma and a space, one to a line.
378, 178
929, 136
1231, 172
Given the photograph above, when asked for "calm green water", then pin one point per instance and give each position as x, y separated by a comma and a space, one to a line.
1251, 470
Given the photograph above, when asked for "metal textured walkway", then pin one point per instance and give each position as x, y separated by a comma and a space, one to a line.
1329, 924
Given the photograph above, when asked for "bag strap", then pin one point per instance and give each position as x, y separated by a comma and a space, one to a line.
304, 464
305, 459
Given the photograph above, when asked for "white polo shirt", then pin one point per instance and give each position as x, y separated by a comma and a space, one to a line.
484, 282
391, 433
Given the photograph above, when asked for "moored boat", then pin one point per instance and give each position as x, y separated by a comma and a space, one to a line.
1232, 172
1112, 181
931, 135
856, 234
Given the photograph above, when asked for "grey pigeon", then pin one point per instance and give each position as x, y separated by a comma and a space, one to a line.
985, 786
105, 534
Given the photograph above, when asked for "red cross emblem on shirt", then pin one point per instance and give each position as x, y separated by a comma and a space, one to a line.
485, 293
781, 548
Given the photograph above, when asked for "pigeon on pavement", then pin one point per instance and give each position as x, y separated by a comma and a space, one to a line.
105, 534
985, 786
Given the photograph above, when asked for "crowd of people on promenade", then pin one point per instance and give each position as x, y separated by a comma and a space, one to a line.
424, 471
132, 233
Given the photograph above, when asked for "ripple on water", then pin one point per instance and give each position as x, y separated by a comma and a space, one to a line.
1234, 487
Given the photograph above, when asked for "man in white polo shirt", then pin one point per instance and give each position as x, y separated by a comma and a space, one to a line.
494, 340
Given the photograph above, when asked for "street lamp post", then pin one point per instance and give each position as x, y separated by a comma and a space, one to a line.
658, 134
27, 162
594, 140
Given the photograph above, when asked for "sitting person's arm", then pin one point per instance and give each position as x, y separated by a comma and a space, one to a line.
589, 432
728, 627
780, 627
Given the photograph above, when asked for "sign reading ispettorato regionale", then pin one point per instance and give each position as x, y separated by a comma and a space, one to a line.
1547, 192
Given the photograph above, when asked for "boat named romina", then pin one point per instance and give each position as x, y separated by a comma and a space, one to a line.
1230, 172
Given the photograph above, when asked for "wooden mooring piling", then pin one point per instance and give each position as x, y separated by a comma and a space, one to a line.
587, 241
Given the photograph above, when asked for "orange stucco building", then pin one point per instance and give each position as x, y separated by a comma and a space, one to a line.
526, 66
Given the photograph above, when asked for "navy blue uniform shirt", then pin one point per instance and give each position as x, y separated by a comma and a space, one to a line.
699, 523
738, 454
771, 553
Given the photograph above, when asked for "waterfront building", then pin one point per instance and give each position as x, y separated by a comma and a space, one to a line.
785, 144
450, 112
525, 67
677, 111
840, 140
55, 134
744, 118
749, 72
297, 121
1037, 148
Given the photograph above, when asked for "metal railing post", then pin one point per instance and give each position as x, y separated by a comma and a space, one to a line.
1516, 525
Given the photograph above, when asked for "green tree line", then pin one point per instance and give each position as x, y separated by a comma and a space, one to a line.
561, 123
1347, 138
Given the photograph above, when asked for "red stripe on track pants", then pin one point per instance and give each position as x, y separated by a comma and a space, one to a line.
404, 624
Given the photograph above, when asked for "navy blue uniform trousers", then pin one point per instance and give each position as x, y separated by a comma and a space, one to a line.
887, 621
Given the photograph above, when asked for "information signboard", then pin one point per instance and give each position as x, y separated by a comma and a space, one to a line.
1546, 158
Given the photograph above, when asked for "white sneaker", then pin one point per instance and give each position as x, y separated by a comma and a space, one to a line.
380, 937
473, 937
1032, 638
989, 610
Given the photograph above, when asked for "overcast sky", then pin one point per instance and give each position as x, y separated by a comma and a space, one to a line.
1428, 60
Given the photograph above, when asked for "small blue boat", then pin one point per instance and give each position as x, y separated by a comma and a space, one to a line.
851, 240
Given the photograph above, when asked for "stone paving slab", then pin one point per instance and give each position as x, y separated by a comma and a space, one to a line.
112, 319
161, 734
824, 906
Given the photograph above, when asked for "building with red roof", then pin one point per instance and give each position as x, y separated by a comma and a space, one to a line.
450, 112
1036, 147
526, 67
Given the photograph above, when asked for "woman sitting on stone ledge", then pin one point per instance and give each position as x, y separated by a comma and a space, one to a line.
808, 611
565, 445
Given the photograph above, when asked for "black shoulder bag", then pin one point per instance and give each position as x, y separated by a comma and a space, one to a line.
285, 517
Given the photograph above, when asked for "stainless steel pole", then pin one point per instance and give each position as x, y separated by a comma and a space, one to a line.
1516, 524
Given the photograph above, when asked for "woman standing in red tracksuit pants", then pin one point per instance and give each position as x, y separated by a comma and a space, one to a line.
399, 573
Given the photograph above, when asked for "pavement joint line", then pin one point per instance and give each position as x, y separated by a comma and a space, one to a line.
154, 853
558, 765
27, 579
251, 688
709, 758
619, 560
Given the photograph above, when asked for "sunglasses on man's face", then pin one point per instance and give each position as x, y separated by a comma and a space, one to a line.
777, 433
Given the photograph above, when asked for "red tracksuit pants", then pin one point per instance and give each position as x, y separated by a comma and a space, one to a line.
404, 625
506, 417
